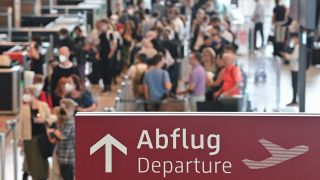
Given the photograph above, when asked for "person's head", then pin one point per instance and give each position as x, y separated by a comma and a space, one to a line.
86, 46
157, 60
147, 44
104, 24
294, 38
64, 54
98, 25
129, 25
207, 40
61, 89
156, 14
219, 61
208, 54
29, 95
38, 83
33, 50
74, 84
229, 55
141, 58
67, 109
216, 39
195, 58
215, 21
175, 12
277, 2
63, 33
78, 31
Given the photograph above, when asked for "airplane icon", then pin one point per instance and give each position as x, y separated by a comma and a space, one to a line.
279, 155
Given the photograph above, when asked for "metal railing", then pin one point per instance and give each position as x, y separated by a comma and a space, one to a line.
9, 14
11, 130
126, 102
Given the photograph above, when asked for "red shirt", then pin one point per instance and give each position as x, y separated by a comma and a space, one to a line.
232, 76
46, 98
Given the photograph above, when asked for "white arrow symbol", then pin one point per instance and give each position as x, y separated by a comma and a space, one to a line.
279, 155
108, 141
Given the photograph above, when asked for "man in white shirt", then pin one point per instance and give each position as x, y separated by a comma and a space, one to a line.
258, 18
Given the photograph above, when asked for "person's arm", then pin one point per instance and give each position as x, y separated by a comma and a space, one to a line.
114, 47
167, 82
146, 91
219, 79
92, 105
293, 56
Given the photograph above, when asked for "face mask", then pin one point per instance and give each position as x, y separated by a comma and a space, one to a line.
69, 87
291, 44
61, 37
26, 98
38, 88
62, 58
62, 112
215, 43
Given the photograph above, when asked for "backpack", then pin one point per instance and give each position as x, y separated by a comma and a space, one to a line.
136, 83
243, 83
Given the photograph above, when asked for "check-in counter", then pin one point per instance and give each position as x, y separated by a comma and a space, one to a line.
95, 10
38, 21
16, 51
10, 95
25, 34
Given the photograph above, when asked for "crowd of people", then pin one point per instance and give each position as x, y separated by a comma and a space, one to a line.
143, 44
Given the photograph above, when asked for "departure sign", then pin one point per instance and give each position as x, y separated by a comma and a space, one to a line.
186, 146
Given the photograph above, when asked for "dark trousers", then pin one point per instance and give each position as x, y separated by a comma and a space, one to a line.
106, 73
67, 171
294, 75
258, 28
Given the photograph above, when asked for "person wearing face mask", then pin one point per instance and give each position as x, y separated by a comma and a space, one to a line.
293, 58
64, 137
65, 68
107, 49
217, 43
82, 97
60, 91
66, 40
38, 83
33, 116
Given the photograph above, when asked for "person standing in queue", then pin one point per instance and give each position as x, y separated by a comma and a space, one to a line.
231, 75
293, 58
197, 81
65, 68
107, 49
156, 83
34, 115
64, 137
279, 18
36, 60
80, 95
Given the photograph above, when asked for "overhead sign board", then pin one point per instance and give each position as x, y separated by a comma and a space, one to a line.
202, 147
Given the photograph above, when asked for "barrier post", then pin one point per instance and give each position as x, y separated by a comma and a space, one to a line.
3, 155
9, 12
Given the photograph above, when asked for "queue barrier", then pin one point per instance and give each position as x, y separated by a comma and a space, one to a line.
126, 102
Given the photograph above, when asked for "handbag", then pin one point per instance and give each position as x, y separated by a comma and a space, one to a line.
46, 147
